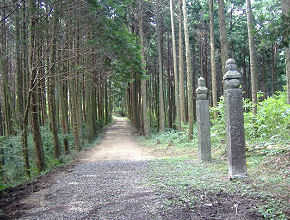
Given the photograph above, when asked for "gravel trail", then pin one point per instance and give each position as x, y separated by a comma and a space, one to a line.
107, 183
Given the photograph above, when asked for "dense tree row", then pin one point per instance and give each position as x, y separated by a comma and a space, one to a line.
68, 64
56, 62
209, 32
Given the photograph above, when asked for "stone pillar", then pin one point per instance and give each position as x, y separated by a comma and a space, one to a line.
203, 124
234, 121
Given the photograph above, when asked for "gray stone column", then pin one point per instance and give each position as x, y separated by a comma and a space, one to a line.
234, 121
203, 124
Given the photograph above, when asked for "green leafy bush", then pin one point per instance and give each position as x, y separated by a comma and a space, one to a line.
271, 124
13, 171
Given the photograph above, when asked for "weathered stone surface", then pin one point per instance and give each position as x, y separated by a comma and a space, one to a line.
203, 124
234, 121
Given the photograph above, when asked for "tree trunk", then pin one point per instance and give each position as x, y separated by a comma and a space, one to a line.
40, 160
176, 83
189, 73
160, 64
253, 62
143, 81
223, 34
212, 58
181, 69
51, 87
169, 82
4, 73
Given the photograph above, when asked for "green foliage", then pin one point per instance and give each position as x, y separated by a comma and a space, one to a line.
186, 181
269, 126
13, 171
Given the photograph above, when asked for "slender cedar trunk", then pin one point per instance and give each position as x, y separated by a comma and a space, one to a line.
169, 104
24, 92
143, 81
106, 101
253, 62
41, 85
94, 107
276, 68
1, 120
51, 88
181, 69
100, 100
78, 80
223, 34
4, 73
176, 83
109, 100
40, 160
263, 81
207, 77
18, 77
74, 115
129, 103
2, 162
134, 86
73, 45
194, 67
140, 116
156, 86
286, 17
189, 73
89, 97
244, 78
231, 52
63, 96
272, 69
150, 94
160, 64
212, 59
19, 93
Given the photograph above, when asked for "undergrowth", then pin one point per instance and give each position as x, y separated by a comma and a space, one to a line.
268, 156
13, 171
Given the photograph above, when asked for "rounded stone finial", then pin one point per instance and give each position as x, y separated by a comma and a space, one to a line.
232, 76
201, 91
201, 82
231, 64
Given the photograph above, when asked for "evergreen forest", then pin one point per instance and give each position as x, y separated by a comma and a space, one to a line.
71, 69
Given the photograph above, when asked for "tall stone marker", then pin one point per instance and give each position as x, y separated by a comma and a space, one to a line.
234, 121
203, 124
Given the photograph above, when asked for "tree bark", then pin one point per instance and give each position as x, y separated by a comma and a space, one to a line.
4, 73
40, 160
253, 62
223, 34
160, 64
286, 17
212, 58
181, 69
143, 81
51, 87
189, 73
176, 83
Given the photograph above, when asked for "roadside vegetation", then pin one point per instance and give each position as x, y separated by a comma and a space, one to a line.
193, 185
13, 169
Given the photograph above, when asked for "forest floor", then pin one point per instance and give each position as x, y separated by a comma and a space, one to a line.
110, 181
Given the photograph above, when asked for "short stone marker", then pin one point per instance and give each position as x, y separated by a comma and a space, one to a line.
234, 121
203, 124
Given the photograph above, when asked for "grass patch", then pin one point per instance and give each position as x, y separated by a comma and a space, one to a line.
192, 185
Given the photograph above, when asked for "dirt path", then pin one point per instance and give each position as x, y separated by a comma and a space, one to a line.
107, 183
118, 144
